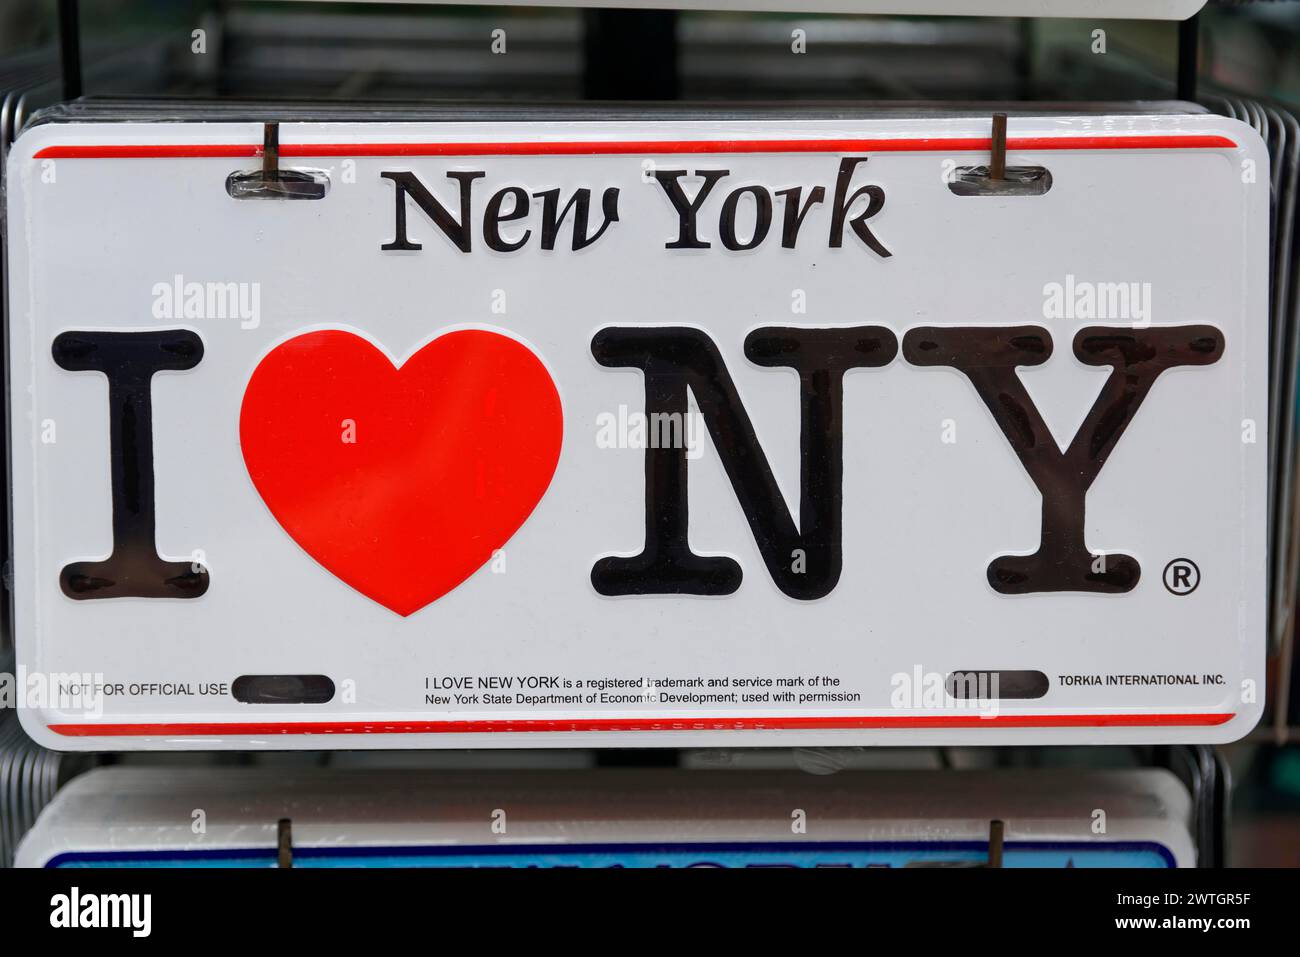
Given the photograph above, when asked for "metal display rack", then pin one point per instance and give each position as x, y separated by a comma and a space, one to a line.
626, 55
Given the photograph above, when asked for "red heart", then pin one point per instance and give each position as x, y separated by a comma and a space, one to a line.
450, 453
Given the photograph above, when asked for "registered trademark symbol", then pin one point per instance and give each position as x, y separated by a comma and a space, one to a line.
1182, 576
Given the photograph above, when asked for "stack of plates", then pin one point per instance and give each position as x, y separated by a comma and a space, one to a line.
1281, 132
251, 817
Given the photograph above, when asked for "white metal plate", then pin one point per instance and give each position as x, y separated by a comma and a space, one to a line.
103, 218
138, 817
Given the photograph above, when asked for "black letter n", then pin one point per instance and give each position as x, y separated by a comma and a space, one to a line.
804, 561
406, 184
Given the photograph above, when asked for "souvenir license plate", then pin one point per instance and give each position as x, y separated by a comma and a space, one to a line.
134, 817
545, 434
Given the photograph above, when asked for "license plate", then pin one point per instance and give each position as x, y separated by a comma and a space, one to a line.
661, 433
412, 818
1130, 9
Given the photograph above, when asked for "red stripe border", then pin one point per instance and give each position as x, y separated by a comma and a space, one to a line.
254, 729
609, 148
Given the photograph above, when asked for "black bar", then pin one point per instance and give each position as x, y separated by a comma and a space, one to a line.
631, 55
1188, 56
343, 906
70, 48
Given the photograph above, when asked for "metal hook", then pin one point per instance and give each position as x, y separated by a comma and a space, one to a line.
998, 154
996, 832
284, 842
272, 182
271, 150
997, 179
